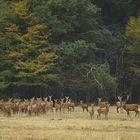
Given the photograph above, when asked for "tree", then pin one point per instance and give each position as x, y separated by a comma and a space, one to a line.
32, 62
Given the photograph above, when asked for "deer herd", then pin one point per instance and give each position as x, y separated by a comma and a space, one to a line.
37, 106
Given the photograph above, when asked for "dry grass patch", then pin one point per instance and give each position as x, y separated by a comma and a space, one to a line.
73, 126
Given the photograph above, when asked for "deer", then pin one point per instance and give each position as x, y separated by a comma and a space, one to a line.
1, 104
104, 111
33, 107
57, 105
119, 104
66, 104
7, 107
84, 106
49, 104
71, 105
91, 111
102, 104
130, 107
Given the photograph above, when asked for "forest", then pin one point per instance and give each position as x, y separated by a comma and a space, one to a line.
84, 49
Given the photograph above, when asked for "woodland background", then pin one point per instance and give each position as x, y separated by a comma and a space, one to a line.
84, 49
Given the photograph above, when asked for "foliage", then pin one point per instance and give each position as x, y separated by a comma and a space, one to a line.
69, 47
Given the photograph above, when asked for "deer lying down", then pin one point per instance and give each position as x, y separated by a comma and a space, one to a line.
104, 111
131, 107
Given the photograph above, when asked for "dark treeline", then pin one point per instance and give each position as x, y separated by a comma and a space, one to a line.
84, 49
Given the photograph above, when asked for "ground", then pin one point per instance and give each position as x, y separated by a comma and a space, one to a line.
70, 126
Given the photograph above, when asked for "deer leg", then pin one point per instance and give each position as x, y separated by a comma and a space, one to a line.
9, 114
117, 109
138, 113
121, 109
97, 116
128, 114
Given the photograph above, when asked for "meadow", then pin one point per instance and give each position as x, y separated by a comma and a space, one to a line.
76, 125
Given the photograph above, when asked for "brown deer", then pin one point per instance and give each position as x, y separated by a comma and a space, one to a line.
119, 104
49, 104
1, 104
91, 111
102, 104
130, 107
7, 107
71, 105
104, 111
84, 106
57, 105
65, 104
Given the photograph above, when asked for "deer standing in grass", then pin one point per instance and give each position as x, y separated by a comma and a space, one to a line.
84, 106
7, 107
91, 111
119, 104
66, 104
57, 105
71, 105
130, 107
102, 104
104, 111
49, 104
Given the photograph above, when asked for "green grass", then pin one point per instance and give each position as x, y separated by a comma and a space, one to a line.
70, 126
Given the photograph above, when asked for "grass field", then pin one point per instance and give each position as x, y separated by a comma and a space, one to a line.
70, 126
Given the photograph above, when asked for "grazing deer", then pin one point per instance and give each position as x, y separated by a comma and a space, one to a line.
104, 111
84, 106
130, 107
119, 104
102, 104
91, 111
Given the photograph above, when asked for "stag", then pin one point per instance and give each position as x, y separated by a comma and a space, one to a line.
130, 107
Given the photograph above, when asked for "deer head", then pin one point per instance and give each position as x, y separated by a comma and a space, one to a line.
119, 98
99, 101
46, 99
67, 98
50, 97
55, 100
